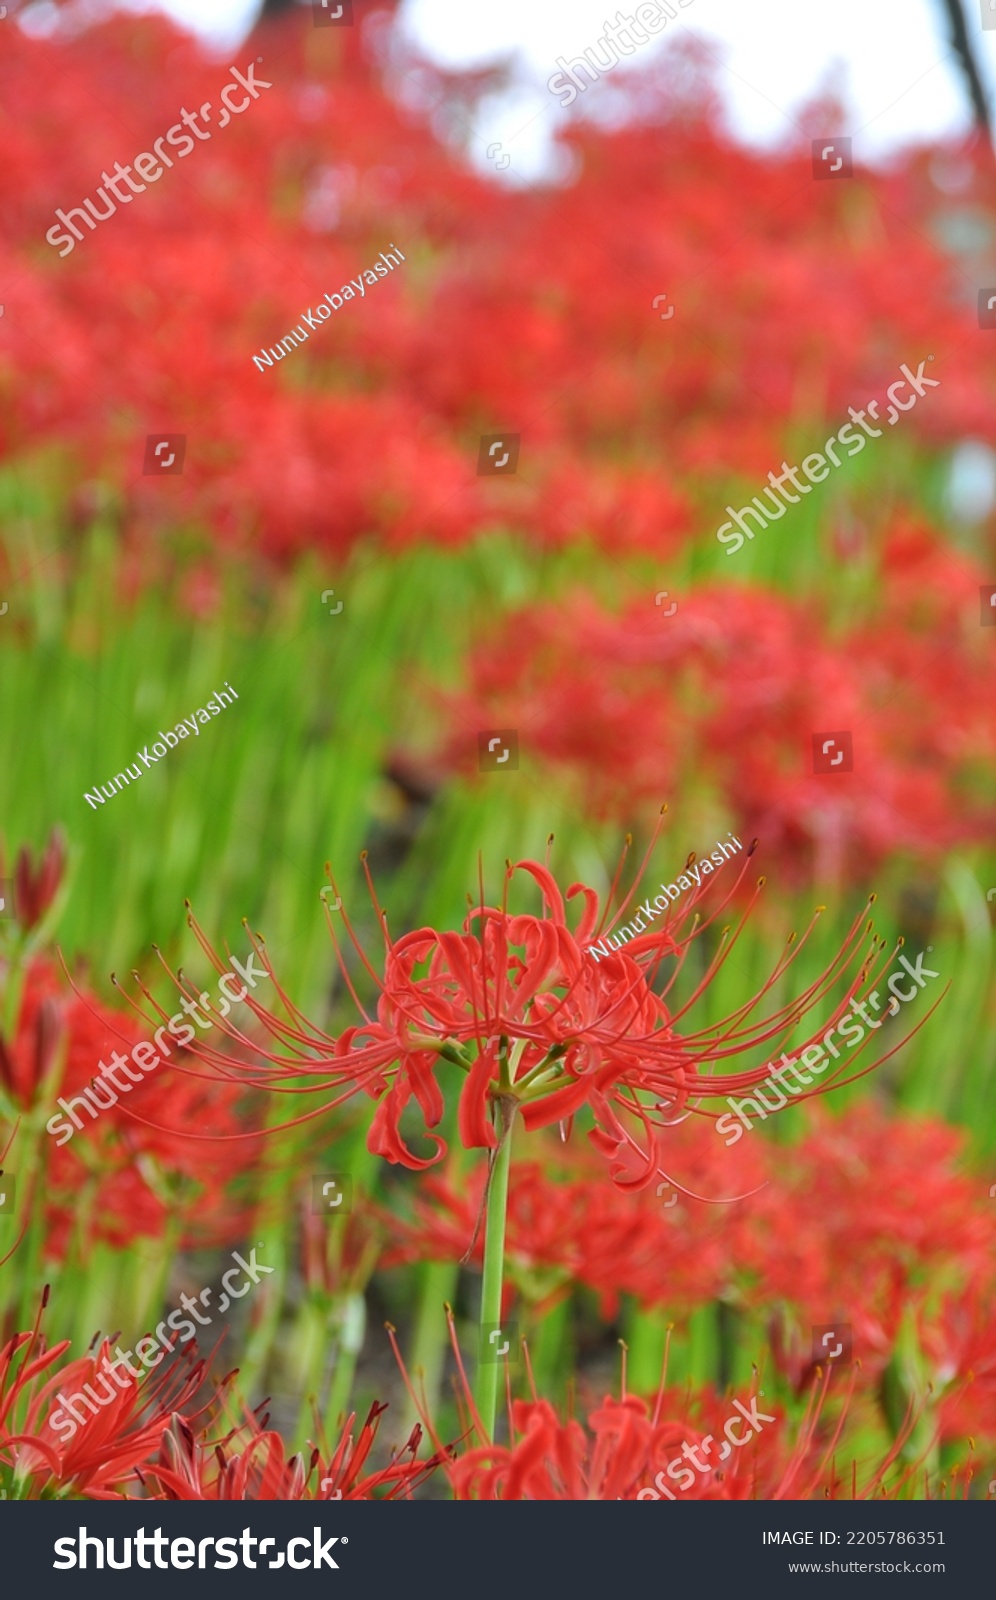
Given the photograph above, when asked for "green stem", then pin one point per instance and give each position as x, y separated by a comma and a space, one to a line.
488, 1362
429, 1347
351, 1318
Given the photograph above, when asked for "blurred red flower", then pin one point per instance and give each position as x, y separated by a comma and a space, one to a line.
723, 699
118, 1177
790, 306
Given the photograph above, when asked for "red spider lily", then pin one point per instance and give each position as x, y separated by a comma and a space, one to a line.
725, 698
255, 1467
961, 1347
567, 1227
629, 1449
341, 1478
623, 1450
334, 164
540, 1026
866, 1219
125, 1177
123, 1417
36, 885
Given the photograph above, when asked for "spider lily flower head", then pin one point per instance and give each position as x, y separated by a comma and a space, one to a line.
628, 1448
339, 1261
44, 1454
626, 1445
250, 1464
516, 1009
343, 1477
137, 1180
36, 884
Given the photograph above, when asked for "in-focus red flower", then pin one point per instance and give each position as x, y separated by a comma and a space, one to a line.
541, 1024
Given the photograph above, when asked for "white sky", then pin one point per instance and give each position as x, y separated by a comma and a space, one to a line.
891, 58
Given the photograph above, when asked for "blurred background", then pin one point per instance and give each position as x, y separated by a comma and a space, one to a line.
659, 295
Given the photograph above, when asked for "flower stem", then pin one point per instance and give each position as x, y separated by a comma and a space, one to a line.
429, 1348
489, 1361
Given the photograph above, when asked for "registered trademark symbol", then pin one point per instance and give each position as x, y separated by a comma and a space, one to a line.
344, 1539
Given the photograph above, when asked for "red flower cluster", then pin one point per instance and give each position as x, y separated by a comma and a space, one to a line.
147, 1434
628, 1449
721, 701
373, 428
119, 1177
123, 1424
869, 1219
251, 1464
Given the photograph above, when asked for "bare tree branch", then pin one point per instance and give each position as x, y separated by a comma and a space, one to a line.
969, 66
